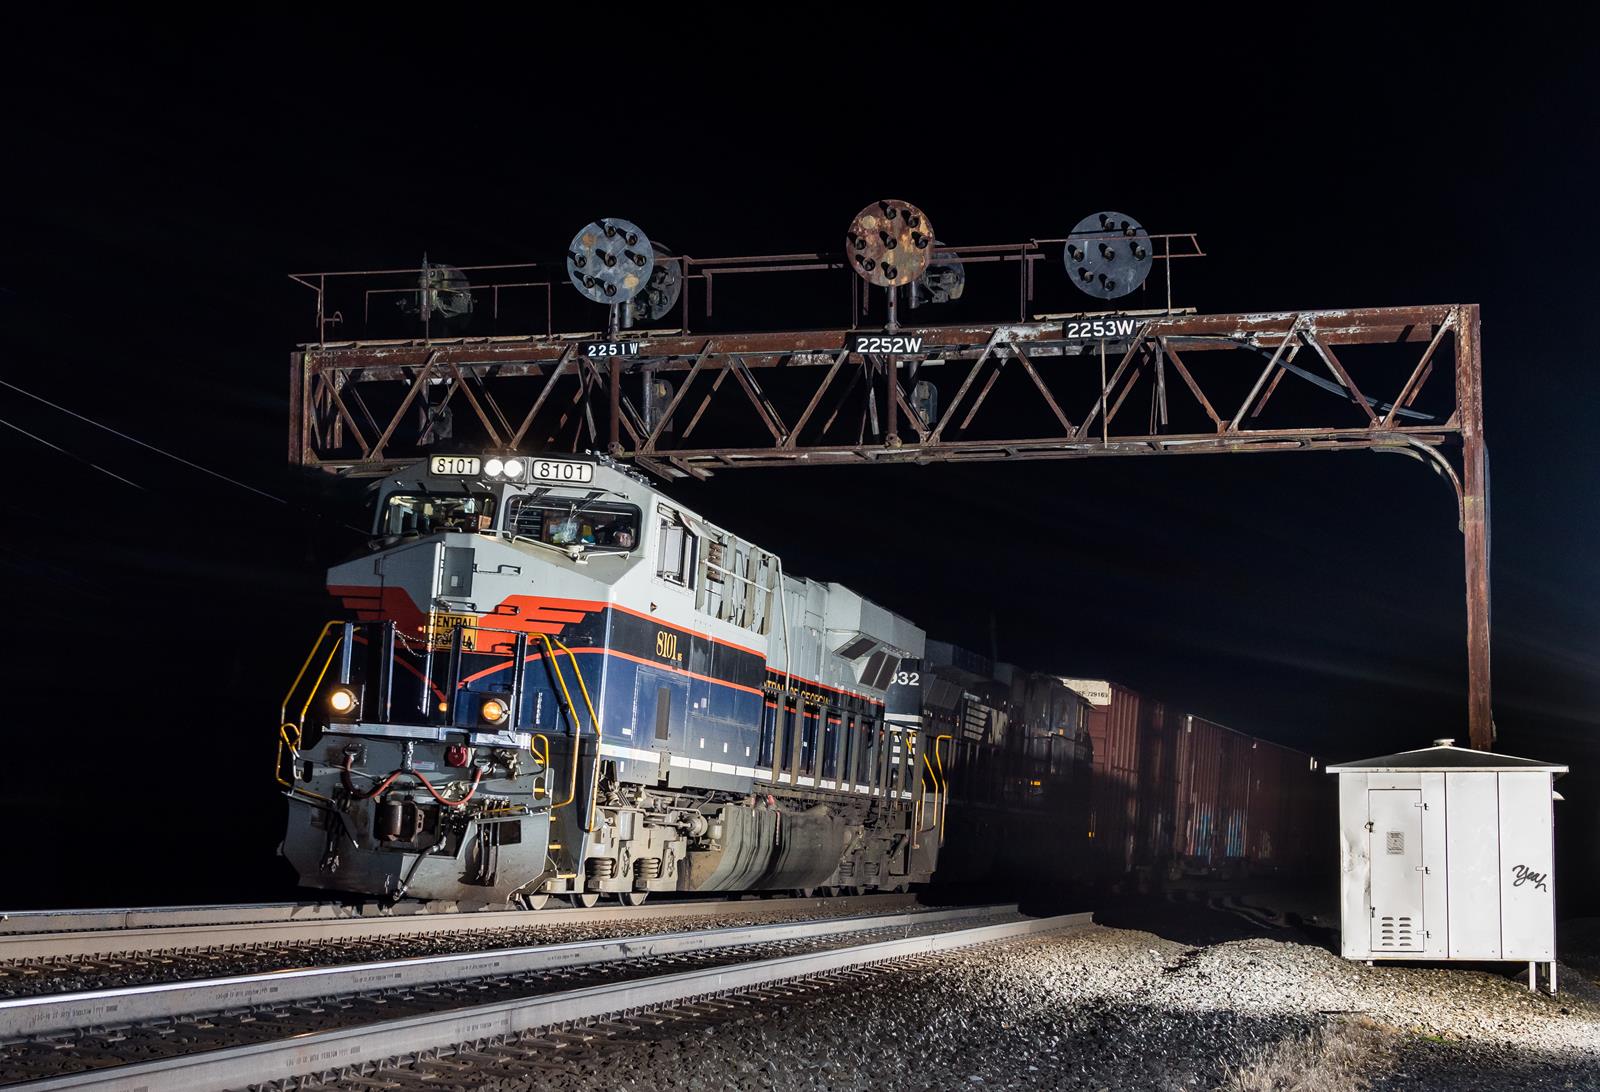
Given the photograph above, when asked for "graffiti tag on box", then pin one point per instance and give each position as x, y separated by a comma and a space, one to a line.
1524, 874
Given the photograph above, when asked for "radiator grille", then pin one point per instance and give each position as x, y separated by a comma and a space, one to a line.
1396, 933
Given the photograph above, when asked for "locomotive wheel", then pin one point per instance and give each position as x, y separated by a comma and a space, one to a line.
584, 900
535, 902
632, 898
806, 892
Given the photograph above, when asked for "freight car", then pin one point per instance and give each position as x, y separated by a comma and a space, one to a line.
1174, 794
1018, 769
560, 682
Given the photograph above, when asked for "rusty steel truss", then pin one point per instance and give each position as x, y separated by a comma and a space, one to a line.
1401, 379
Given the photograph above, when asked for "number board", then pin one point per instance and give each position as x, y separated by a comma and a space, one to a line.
1108, 327
598, 349
555, 470
454, 466
885, 343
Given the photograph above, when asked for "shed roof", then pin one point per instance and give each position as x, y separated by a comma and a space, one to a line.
1444, 756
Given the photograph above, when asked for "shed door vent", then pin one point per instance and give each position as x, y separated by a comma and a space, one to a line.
1395, 933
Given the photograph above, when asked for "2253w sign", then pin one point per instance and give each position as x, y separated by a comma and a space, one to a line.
1093, 329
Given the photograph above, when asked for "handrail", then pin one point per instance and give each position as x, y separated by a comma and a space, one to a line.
284, 713
577, 742
290, 732
572, 715
323, 674
541, 786
928, 764
944, 792
285, 725
551, 644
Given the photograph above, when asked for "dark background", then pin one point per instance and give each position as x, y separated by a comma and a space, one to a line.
163, 182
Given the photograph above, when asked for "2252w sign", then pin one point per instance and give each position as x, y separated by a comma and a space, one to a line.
885, 343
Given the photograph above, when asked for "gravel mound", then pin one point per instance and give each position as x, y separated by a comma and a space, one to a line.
1118, 1009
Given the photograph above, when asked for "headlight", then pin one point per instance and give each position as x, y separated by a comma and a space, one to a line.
513, 468
493, 710
342, 701
493, 468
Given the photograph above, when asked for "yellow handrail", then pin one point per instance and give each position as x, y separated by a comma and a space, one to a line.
289, 695
285, 725
577, 741
551, 645
944, 792
290, 733
311, 694
294, 750
542, 787
566, 696
928, 763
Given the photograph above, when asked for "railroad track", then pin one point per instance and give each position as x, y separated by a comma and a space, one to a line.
112, 919
335, 1022
82, 934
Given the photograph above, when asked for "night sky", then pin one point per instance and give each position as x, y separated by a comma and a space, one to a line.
164, 183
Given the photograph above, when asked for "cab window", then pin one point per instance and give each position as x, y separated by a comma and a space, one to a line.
675, 547
432, 513
573, 523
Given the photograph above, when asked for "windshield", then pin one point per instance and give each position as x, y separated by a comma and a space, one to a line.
431, 513
573, 523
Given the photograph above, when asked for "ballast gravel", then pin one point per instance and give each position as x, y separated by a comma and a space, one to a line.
1107, 1009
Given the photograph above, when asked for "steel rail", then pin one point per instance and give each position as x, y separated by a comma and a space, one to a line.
288, 923
49, 1014
365, 1045
14, 922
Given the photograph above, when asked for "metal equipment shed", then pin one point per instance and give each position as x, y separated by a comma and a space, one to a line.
1448, 853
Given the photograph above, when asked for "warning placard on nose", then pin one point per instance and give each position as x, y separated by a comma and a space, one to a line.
1396, 841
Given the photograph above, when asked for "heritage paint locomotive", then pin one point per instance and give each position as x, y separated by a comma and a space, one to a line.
561, 682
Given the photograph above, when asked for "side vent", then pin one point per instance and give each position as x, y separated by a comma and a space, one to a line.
1396, 933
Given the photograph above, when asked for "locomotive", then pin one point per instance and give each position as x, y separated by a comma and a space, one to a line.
556, 681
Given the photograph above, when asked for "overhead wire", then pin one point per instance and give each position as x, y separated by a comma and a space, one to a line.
147, 446
69, 454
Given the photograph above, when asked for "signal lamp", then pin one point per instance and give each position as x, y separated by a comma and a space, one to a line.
342, 701
494, 710
513, 468
493, 468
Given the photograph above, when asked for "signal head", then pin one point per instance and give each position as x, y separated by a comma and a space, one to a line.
889, 243
1108, 255
610, 261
